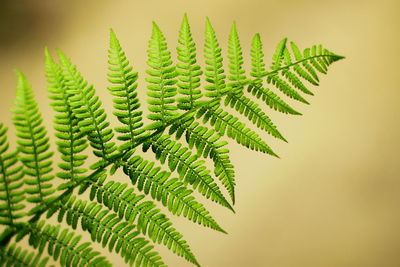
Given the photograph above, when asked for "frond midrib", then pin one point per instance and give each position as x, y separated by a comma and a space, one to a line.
48, 236
92, 115
111, 229
298, 62
135, 207
128, 102
267, 124
233, 125
198, 176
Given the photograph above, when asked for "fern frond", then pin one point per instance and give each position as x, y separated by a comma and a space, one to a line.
245, 105
125, 98
189, 168
319, 58
291, 77
11, 182
162, 80
311, 76
271, 99
62, 246
119, 218
235, 129
257, 58
171, 192
108, 229
235, 97
213, 59
258, 71
278, 55
16, 256
208, 144
279, 83
32, 144
236, 71
187, 69
87, 109
71, 142
128, 205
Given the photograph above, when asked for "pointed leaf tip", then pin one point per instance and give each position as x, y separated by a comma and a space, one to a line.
113, 39
155, 26
112, 33
61, 55
18, 72
234, 25
22, 82
46, 51
47, 57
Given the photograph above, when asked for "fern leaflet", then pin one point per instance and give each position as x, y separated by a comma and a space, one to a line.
11, 192
32, 144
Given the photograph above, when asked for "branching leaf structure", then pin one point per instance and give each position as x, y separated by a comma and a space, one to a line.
192, 112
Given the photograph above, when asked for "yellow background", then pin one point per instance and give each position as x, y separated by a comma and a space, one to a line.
333, 197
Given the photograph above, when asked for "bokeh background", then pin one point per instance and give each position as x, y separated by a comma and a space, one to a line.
333, 197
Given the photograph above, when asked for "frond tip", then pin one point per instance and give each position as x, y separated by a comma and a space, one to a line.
187, 69
123, 88
33, 144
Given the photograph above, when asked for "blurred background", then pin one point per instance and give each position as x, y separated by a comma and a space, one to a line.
333, 197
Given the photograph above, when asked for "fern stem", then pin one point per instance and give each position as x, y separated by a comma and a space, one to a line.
300, 61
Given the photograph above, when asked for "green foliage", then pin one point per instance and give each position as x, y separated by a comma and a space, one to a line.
33, 145
16, 256
186, 132
11, 183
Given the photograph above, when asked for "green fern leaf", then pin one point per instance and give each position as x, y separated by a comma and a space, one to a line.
125, 99
71, 141
62, 246
258, 71
162, 80
32, 144
119, 218
271, 99
108, 229
319, 58
213, 59
291, 77
235, 97
187, 69
11, 182
243, 104
208, 144
257, 58
236, 71
236, 130
171, 192
16, 256
189, 168
121, 199
276, 80
311, 75
87, 109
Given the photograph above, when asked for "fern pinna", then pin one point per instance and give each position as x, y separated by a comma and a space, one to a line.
189, 126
